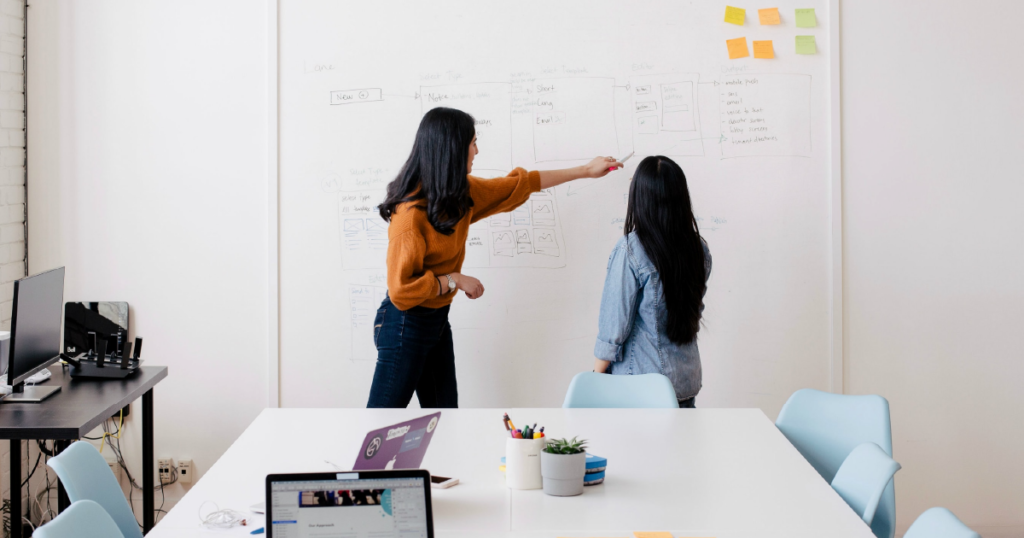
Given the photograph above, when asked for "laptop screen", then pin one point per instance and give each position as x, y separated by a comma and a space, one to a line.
350, 507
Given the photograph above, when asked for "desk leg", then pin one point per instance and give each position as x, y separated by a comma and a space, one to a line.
148, 495
16, 488
62, 495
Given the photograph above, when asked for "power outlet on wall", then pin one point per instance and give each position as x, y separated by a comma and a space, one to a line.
165, 470
185, 471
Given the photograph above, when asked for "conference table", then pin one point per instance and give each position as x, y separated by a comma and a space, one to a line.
725, 473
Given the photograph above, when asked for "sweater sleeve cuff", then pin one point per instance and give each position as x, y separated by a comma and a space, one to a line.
533, 179
607, 352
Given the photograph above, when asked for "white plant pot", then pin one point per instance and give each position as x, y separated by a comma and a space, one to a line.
563, 473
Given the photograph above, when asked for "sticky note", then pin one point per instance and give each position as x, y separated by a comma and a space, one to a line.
735, 15
769, 16
737, 48
805, 18
805, 45
763, 49
640, 534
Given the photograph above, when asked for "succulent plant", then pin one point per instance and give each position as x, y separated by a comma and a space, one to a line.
565, 446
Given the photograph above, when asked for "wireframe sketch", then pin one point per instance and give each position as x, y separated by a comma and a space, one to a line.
665, 114
490, 104
363, 95
364, 235
543, 212
523, 243
363, 304
574, 119
504, 243
546, 244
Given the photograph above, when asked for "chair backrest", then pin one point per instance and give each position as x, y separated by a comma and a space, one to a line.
86, 476
589, 389
862, 478
939, 523
826, 427
83, 519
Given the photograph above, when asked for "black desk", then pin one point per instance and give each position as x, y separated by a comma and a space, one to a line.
79, 407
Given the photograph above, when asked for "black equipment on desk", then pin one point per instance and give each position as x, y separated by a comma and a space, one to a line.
97, 364
35, 333
83, 320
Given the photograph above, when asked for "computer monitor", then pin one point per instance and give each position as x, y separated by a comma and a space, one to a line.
35, 333
357, 504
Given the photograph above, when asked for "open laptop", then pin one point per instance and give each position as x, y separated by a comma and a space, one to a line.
399, 446
356, 504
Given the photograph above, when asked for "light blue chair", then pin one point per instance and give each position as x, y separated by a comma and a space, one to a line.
87, 477
939, 523
589, 389
83, 519
826, 427
862, 478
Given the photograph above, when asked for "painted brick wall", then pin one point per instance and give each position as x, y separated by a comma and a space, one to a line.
12, 174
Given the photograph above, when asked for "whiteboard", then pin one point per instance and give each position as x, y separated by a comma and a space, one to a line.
552, 84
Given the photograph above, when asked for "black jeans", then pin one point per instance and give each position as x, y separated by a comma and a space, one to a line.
414, 354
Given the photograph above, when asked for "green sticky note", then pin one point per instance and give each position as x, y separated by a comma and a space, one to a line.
805, 18
805, 45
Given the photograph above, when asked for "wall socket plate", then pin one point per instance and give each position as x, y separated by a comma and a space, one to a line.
185, 471
165, 470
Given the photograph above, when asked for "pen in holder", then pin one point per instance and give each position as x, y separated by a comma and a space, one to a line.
522, 463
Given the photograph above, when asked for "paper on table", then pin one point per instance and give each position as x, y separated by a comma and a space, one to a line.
735, 15
805, 44
805, 18
737, 48
763, 49
769, 16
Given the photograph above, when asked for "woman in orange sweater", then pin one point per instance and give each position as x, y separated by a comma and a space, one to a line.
430, 206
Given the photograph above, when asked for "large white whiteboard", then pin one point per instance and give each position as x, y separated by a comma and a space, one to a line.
552, 84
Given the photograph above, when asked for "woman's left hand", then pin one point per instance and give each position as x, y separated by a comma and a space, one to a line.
600, 166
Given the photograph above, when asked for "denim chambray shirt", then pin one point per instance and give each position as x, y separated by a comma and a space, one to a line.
631, 326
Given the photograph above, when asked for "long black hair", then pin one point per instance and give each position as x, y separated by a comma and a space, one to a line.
436, 170
660, 213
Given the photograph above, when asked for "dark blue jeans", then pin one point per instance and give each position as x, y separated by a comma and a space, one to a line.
414, 354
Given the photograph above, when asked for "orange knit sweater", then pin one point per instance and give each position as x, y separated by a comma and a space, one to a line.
417, 254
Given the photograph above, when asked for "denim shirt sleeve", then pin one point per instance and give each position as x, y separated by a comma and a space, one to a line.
618, 305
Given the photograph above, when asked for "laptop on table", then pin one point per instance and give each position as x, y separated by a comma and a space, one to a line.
353, 504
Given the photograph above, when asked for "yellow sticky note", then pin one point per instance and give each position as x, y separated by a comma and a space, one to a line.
641, 534
763, 49
805, 44
769, 16
805, 18
735, 15
737, 48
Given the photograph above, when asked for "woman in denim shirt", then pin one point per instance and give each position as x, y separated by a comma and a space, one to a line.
654, 292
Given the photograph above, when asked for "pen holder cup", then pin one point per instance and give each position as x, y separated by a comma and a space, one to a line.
522, 463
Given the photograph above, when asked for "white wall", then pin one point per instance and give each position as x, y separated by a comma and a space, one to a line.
148, 159
933, 132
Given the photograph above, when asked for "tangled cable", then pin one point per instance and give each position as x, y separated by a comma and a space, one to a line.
220, 519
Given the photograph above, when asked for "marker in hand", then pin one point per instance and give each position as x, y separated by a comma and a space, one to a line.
624, 159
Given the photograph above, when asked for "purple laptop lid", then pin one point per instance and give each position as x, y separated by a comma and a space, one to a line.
399, 446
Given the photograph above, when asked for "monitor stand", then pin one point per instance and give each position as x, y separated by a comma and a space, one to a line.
30, 393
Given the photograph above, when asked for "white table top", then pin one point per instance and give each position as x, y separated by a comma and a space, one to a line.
693, 472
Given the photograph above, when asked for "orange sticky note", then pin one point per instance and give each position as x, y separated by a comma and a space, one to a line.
641, 534
763, 49
737, 48
769, 16
735, 15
